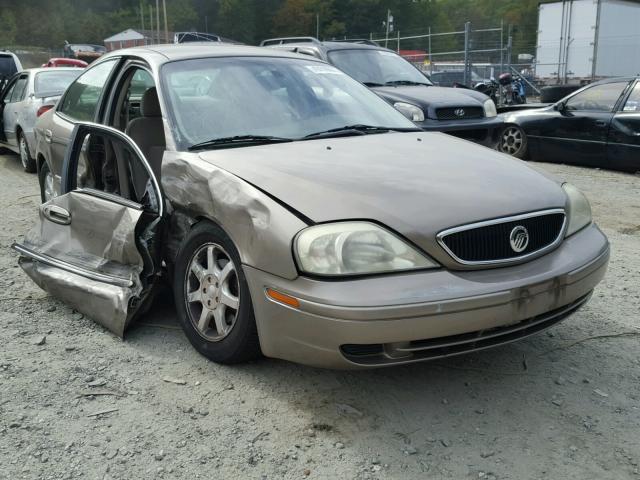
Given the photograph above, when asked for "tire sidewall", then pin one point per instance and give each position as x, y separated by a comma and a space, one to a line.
30, 166
240, 344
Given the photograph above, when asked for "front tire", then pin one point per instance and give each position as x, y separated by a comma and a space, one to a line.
513, 141
212, 297
28, 163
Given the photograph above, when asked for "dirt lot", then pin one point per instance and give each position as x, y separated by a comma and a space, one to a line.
560, 405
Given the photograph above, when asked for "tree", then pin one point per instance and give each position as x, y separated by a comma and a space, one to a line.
8, 28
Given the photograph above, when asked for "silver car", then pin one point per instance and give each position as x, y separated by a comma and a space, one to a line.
28, 95
296, 214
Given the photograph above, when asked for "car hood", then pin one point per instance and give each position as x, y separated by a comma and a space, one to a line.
432, 97
414, 183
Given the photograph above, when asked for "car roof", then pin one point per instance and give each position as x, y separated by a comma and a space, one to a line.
51, 69
170, 52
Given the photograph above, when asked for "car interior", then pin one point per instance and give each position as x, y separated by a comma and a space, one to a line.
108, 164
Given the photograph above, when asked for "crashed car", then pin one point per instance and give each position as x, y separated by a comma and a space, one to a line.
596, 126
296, 214
464, 113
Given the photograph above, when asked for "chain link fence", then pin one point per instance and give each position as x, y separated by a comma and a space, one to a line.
32, 57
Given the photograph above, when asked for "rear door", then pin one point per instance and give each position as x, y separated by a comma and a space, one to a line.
578, 132
12, 107
96, 245
623, 147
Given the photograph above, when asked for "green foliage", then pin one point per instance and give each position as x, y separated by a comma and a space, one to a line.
48, 23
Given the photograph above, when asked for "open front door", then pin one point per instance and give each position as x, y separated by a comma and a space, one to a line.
95, 245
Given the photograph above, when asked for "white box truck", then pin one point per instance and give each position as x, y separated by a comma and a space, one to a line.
583, 40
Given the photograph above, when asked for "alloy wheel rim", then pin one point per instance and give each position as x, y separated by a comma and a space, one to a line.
23, 152
512, 140
212, 292
49, 192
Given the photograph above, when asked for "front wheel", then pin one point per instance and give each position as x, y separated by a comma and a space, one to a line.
212, 297
28, 163
513, 141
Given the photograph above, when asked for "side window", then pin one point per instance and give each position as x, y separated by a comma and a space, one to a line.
19, 89
600, 98
108, 164
633, 102
81, 100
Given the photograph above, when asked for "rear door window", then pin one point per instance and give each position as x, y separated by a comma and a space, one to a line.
19, 90
82, 97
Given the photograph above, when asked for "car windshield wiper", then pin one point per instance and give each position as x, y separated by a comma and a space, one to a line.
356, 130
406, 82
239, 140
373, 84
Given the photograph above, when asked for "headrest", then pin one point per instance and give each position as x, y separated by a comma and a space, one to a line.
150, 106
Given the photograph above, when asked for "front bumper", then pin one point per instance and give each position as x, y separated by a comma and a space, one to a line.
405, 318
484, 131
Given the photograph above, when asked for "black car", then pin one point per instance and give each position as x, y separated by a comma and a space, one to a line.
461, 112
597, 126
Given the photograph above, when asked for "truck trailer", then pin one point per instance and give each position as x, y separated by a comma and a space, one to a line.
583, 40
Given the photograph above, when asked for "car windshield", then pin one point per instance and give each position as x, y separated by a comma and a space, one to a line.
55, 82
222, 97
376, 67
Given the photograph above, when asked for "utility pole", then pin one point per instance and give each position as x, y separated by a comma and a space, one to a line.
158, 19
151, 23
388, 25
166, 29
141, 15
318, 26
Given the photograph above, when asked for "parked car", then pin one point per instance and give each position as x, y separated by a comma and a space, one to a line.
464, 113
65, 62
297, 214
83, 51
597, 126
9, 66
28, 95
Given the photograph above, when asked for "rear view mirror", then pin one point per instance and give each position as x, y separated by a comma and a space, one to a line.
560, 106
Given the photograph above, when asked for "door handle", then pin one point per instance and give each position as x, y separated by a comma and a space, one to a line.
48, 135
57, 214
601, 123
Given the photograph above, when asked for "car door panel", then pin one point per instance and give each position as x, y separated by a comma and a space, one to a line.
95, 250
623, 147
576, 137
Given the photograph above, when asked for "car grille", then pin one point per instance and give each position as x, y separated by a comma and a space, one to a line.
459, 113
489, 242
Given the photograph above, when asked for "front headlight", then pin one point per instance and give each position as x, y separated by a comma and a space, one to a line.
578, 211
355, 248
413, 113
490, 109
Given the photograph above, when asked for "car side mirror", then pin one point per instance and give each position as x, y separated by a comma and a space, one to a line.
560, 106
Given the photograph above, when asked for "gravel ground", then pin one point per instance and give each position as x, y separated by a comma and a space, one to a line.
558, 405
